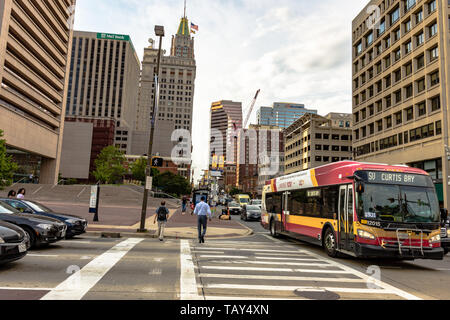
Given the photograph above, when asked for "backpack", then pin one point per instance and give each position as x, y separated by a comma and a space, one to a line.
162, 213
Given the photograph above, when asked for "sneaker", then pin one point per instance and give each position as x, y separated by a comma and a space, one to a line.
161, 239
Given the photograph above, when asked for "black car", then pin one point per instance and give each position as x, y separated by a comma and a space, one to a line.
14, 243
445, 231
75, 225
251, 213
39, 229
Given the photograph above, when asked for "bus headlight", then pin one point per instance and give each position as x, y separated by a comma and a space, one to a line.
365, 235
436, 238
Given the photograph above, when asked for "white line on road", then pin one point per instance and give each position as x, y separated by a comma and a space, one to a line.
188, 283
321, 265
42, 255
224, 257
37, 190
274, 269
81, 192
26, 289
277, 278
200, 252
78, 284
287, 259
223, 298
251, 250
295, 288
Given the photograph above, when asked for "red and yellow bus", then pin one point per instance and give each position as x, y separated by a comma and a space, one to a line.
360, 209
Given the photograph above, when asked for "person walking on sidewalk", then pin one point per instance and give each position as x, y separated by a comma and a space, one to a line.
161, 215
202, 209
184, 205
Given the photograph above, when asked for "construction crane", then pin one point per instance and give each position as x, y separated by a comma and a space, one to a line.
252, 106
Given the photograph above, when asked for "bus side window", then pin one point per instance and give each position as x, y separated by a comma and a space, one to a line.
269, 206
331, 202
297, 202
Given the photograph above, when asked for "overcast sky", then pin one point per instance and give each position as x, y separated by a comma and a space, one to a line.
293, 50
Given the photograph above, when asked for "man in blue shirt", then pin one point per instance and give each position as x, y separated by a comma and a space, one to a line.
201, 210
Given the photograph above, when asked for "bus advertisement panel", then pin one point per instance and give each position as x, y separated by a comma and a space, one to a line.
364, 210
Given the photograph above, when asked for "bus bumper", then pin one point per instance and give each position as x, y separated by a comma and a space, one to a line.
372, 251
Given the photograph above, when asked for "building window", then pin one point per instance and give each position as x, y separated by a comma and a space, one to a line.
434, 54
408, 69
397, 75
409, 91
388, 122
420, 62
395, 15
420, 39
431, 6
380, 125
398, 96
408, 47
433, 29
419, 17
396, 34
408, 26
397, 54
421, 109
421, 85
398, 118
434, 78
435, 103
409, 113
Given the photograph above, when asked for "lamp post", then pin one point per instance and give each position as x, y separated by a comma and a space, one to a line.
159, 32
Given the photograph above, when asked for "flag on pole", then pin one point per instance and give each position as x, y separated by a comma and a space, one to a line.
194, 27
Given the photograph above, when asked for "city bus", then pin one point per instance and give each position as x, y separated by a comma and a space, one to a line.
359, 209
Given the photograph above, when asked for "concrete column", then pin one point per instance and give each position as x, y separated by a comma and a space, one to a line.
49, 171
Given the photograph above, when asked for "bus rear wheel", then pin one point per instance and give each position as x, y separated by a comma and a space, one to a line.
329, 243
273, 229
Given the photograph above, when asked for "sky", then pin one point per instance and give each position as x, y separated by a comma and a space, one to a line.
295, 51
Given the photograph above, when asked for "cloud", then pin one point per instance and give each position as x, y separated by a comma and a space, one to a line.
293, 50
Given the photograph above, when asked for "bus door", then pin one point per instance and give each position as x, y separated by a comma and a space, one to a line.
285, 210
345, 229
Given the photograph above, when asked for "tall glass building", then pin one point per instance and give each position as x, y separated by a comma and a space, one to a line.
282, 114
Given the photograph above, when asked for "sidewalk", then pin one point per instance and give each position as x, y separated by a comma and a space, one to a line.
117, 221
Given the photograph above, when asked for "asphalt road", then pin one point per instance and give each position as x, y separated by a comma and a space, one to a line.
255, 267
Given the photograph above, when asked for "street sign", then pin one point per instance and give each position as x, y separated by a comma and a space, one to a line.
149, 183
157, 162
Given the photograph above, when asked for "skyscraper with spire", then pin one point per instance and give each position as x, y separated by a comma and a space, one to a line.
177, 87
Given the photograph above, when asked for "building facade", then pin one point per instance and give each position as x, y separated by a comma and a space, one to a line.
314, 141
282, 114
35, 48
401, 86
176, 96
104, 81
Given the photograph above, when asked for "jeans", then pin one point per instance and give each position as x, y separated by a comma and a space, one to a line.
202, 222
161, 227
183, 207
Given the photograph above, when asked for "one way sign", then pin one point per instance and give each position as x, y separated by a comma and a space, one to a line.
157, 162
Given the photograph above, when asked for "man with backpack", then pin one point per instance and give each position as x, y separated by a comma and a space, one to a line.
161, 215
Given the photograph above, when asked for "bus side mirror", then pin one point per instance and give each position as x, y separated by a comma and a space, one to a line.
360, 187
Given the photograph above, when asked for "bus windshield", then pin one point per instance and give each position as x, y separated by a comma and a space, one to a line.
244, 200
398, 203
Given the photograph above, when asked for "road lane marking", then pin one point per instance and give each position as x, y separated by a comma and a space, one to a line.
321, 265
200, 252
224, 257
188, 283
42, 255
296, 288
277, 278
224, 298
25, 289
273, 269
287, 259
367, 278
251, 250
78, 284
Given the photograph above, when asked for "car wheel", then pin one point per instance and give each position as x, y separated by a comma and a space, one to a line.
445, 251
329, 243
31, 236
273, 231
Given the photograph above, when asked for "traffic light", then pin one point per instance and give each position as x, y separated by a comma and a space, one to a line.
157, 162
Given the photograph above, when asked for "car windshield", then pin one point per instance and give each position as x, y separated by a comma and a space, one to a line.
234, 204
256, 202
38, 207
6, 208
244, 200
396, 203
252, 208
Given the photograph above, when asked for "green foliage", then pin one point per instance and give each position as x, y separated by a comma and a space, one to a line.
7, 166
235, 191
172, 184
138, 169
110, 166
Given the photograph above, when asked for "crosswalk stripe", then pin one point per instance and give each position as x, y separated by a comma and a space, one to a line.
79, 283
295, 288
188, 283
277, 278
253, 250
273, 269
321, 265
224, 298
224, 257
25, 289
288, 259
200, 252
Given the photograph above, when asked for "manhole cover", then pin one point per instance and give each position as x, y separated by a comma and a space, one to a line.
318, 295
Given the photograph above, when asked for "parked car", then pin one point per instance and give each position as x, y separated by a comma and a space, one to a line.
235, 208
251, 212
14, 243
75, 225
256, 203
445, 231
40, 230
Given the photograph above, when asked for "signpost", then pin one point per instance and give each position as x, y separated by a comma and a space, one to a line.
94, 201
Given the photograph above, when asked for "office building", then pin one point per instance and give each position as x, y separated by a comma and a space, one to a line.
401, 86
313, 141
104, 81
282, 114
35, 47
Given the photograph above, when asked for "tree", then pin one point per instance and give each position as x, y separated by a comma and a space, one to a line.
235, 191
109, 165
172, 184
7, 166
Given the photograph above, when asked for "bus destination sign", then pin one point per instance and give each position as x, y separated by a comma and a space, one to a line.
396, 178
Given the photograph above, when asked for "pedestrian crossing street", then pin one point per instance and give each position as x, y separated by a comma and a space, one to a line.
240, 270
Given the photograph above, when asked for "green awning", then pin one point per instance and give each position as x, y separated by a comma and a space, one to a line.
440, 191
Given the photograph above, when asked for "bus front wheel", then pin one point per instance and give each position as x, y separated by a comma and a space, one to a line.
329, 243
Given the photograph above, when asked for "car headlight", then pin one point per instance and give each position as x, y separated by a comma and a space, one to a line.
1, 240
44, 226
436, 238
365, 234
72, 221
448, 232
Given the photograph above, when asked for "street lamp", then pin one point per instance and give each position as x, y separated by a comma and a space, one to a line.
159, 32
